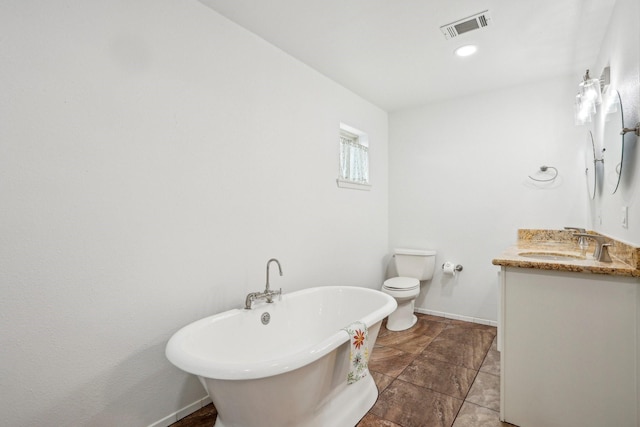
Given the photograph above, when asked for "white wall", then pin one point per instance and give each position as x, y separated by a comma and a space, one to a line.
458, 183
621, 51
458, 172
154, 157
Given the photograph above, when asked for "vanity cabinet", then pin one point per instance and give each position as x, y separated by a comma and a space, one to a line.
569, 348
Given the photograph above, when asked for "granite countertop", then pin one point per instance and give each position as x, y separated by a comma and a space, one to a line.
625, 258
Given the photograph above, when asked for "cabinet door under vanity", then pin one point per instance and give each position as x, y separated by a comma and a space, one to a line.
569, 349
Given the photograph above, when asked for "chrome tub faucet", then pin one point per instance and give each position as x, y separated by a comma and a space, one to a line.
267, 290
268, 294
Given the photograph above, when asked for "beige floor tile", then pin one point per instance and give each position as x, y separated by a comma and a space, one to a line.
429, 327
371, 420
481, 338
494, 346
389, 361
455, 352
452, 380
412, 406
471, 415
382, 381
405, 341
491, 364
485, 391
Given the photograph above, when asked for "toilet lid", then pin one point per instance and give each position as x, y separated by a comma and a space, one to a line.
401, 283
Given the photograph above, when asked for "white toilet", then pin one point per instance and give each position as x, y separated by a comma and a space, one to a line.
412, 266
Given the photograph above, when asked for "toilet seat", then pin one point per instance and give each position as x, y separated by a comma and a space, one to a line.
404, 290
401, 284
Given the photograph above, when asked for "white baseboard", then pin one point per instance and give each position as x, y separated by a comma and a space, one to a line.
181, 413
457, 317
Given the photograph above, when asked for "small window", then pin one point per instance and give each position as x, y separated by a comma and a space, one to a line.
354, 159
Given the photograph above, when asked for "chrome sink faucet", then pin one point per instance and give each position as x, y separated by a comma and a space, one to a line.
602, 246
268, 294
582, 241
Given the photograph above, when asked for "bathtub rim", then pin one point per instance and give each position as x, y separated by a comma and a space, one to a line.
246, 371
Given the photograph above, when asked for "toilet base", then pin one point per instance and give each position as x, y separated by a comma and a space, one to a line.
402, 318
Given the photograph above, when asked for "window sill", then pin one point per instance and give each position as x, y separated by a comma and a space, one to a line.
343, 183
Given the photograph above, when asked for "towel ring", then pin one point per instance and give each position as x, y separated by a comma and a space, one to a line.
544, 169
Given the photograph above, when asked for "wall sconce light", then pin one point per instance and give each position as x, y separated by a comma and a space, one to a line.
588, 98
583, 111
590, 89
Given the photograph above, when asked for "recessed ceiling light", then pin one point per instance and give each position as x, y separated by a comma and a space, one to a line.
467, 50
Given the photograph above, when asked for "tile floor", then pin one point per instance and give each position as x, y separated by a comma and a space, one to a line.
439, 373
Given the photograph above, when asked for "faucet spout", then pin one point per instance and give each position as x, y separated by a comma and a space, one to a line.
267, 288
601, 252
582, 241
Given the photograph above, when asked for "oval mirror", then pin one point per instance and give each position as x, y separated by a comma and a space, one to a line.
612, 141
590, 164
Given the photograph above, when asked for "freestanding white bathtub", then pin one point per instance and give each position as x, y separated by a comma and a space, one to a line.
291, 371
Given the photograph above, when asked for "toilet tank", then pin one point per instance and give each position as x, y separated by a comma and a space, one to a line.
415, 263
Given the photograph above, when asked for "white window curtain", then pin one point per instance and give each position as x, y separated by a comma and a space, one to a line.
354, 159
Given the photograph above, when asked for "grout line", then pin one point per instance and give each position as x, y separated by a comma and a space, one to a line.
477, 371
474, 381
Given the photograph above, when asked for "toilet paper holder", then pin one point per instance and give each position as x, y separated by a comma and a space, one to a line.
457, 268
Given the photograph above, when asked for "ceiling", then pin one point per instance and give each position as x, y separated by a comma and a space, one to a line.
392, 52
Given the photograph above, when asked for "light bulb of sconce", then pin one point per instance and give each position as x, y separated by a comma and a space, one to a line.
590, 91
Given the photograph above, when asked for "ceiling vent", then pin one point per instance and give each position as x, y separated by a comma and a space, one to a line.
470, 23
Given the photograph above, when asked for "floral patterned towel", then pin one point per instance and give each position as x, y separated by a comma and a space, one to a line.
359, 354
